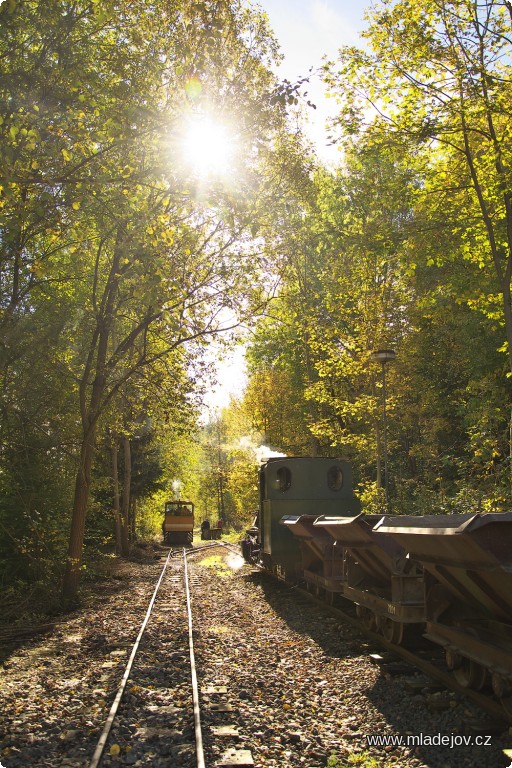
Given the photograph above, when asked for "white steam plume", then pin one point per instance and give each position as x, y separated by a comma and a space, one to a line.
260, 452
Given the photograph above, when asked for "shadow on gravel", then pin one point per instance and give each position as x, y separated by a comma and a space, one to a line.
440, 729
295, 609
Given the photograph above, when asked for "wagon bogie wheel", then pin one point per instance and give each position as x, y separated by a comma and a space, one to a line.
392, 631
470, 674
453, 659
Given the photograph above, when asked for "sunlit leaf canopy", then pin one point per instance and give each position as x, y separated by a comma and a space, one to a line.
117, 255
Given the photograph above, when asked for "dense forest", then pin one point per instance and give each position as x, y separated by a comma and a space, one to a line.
128, 248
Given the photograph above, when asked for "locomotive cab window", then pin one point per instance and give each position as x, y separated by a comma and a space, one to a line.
284, 479
335, 478
178, 509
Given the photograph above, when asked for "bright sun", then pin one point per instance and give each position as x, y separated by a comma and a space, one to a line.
208, 147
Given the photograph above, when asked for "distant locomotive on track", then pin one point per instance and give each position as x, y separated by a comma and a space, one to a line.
451, 575
178, 524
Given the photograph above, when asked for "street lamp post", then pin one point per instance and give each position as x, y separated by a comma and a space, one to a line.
384, 356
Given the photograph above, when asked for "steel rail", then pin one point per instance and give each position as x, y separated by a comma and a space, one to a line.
193, 673
211, 545
100, 747
489, 705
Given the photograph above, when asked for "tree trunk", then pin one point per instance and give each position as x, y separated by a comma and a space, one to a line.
507, 311
76, 537
93, 380
127, 481
117, 499
133, 516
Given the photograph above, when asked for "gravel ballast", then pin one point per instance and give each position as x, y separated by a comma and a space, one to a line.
300, 687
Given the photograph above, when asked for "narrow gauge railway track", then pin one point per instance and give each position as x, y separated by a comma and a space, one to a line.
428, 667
155, 692
293, 690
159, 720
156, 711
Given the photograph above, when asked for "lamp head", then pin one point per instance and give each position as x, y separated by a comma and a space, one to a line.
383, 356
